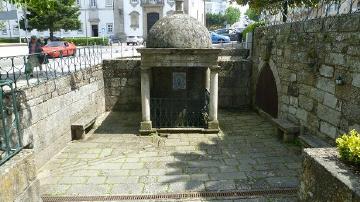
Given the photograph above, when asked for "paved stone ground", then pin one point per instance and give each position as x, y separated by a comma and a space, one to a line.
113, 160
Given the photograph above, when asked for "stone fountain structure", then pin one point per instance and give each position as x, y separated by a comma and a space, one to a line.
179, 76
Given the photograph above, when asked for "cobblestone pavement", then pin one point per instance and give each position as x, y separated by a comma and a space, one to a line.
246, 155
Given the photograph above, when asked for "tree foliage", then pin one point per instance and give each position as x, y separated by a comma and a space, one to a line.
260, 5
232, 15
215, 21
276, 6
253, 14
51, 15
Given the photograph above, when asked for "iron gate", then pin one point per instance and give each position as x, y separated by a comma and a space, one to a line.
180, 113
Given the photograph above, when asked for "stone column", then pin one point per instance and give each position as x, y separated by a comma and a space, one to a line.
213, 114
145, 99
207, 79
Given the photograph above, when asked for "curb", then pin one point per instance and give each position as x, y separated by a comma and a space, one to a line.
12, 44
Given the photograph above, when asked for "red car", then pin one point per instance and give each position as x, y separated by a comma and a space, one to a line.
56, 49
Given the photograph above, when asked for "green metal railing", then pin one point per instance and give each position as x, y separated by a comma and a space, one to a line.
10, 138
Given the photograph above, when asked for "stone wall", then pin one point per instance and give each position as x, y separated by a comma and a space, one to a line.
325, 178
48, 110
123, 92
18, 178
122, 84
306, 58
234, 82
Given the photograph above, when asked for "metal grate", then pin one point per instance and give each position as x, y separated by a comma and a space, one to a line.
232, 194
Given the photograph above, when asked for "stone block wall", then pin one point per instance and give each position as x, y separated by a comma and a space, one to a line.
306, 58
48, 110
122, 84
18, 178
234, 83
325, 178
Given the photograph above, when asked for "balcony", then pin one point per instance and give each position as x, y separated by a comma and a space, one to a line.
152, 2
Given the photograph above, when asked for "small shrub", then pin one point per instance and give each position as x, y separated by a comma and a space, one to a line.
11, 40
252, 27
81, 41
348, 146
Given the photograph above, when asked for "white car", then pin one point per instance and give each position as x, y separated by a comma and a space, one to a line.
134, 40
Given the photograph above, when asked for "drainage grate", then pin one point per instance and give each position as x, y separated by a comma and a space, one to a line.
233, 194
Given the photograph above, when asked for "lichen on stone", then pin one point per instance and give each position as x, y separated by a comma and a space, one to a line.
178, 31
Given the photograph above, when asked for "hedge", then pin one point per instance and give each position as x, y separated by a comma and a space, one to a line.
10, 40
81, 41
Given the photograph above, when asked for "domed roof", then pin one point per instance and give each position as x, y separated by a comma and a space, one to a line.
178, 31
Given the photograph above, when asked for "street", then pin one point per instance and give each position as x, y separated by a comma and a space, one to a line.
14, 58
117, 50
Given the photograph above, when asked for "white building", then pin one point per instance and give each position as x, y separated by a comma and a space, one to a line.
216, 6
112, 17
96, 16
136, 17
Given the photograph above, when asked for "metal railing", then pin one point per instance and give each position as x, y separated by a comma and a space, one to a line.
10, 139
29, 70
302, 13
180, 113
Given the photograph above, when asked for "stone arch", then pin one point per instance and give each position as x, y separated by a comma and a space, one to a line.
268, 88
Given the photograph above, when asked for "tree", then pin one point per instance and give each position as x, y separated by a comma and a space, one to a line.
278, 5
2, 23
232, 15
51, 15
253, 14
214, 21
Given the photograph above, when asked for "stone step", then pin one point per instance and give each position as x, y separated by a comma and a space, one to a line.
311, 141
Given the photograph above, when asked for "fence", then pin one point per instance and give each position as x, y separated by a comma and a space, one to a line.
10, 139
27, 70
324, 8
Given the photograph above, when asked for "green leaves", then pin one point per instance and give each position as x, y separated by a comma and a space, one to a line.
232, 15
349, 147
52, 15
215, 21
276, 5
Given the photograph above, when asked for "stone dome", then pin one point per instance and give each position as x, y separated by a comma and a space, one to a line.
178, 31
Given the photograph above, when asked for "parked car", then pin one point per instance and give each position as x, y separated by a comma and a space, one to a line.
56, 49
218, 38
114, 39
231, 33
134, 40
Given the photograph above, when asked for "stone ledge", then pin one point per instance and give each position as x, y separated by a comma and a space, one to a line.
18, 178
326, 178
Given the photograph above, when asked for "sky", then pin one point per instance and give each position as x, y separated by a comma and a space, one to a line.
243, 9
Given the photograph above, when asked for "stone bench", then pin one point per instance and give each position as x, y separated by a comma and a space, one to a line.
81, 126
286, 129
311, 141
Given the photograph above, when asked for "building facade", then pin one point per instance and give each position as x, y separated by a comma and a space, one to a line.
96, 16
111, 17
216, 6
136, 17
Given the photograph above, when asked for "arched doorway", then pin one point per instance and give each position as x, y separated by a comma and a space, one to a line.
152, 18
266, 92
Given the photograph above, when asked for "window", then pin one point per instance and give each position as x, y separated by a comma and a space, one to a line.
93, 3
4, 31
78, 2
108, 3
134, 18
109, 28
15, 30
134, 2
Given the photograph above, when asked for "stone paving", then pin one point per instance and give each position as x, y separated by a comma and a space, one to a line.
246, 155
